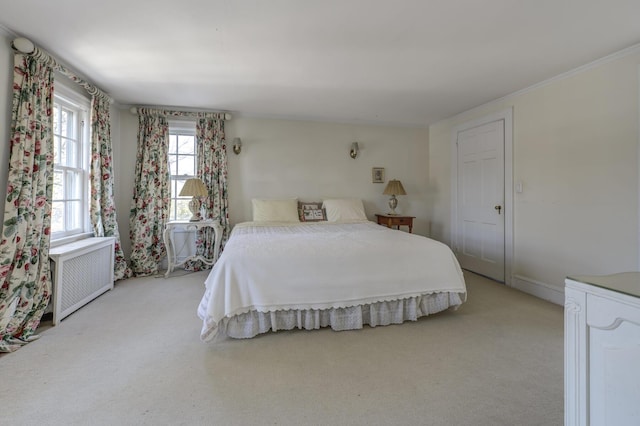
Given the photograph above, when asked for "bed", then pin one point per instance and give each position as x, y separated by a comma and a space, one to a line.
342, 273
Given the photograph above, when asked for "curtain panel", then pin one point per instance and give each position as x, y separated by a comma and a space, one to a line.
25, 283
102, 209
151, 193
212, 169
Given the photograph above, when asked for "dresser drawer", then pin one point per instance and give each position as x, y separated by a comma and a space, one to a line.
401, 221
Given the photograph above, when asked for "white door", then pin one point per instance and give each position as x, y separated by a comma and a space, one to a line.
480, 241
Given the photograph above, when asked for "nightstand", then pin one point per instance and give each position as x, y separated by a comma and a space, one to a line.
187, 225
396, 220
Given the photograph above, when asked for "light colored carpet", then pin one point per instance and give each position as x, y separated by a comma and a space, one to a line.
133, 357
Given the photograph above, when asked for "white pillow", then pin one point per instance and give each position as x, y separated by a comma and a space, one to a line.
343, 210
275, 210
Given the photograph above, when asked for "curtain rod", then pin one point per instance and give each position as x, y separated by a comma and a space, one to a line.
26, 47
200, 114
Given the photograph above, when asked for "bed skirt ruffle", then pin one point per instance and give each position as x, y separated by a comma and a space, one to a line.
252, 323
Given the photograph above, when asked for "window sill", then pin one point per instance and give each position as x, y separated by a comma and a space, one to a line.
66, 240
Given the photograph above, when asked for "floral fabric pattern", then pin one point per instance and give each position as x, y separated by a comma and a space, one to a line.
151, 194
25, 283
212, 169
102, 209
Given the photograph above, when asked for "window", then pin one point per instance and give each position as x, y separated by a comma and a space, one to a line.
182, 166
70, 203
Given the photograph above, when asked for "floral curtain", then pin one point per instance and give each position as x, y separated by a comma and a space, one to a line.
25, 283
151, 194
212, 169
103, 210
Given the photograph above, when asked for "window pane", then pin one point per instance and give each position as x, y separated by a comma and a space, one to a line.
58, 185
172, 144
178, 188
74, 211
57, 216
65, 146
56, 119
74, 185
64, 122
62, 155
173, 165
72, 153
186, 165
186, 144
69, 181
56, 150
71, 124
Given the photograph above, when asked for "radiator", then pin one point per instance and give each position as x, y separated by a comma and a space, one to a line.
81, 271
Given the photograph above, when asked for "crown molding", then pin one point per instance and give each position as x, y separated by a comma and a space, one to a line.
586, 67
7, 32
578, 70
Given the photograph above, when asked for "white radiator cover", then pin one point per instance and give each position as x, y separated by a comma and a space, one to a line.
81, 271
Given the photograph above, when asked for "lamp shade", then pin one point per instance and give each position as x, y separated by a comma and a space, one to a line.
194, 188
394, 187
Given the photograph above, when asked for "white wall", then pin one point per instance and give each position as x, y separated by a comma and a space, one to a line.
124, 153
308, 160
311, 161
576, 153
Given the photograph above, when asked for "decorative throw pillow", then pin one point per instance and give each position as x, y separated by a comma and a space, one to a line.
311, 211
344, 210
275, 210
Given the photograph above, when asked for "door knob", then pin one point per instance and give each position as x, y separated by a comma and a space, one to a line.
498, 208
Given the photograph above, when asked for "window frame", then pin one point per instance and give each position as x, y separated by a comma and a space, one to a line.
67, 98
176, 129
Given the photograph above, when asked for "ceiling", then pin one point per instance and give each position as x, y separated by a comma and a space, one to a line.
407, 63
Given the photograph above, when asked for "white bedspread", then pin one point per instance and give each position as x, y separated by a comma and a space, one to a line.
316, 266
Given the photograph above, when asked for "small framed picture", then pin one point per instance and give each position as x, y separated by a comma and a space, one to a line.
377, 174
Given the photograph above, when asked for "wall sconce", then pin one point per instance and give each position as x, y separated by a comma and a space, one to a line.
353, 153
237, 145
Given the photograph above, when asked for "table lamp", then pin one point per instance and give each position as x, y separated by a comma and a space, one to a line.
195, 188
394, 187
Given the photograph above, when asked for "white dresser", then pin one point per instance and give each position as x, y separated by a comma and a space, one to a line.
602, 350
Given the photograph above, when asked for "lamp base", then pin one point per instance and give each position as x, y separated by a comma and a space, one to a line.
194, 208
393, 203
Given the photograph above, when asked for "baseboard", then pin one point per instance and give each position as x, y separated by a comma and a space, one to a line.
539, 289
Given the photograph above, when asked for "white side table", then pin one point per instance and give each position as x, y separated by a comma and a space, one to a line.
172, 261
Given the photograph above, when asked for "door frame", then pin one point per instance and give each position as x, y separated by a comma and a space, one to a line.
507, 116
